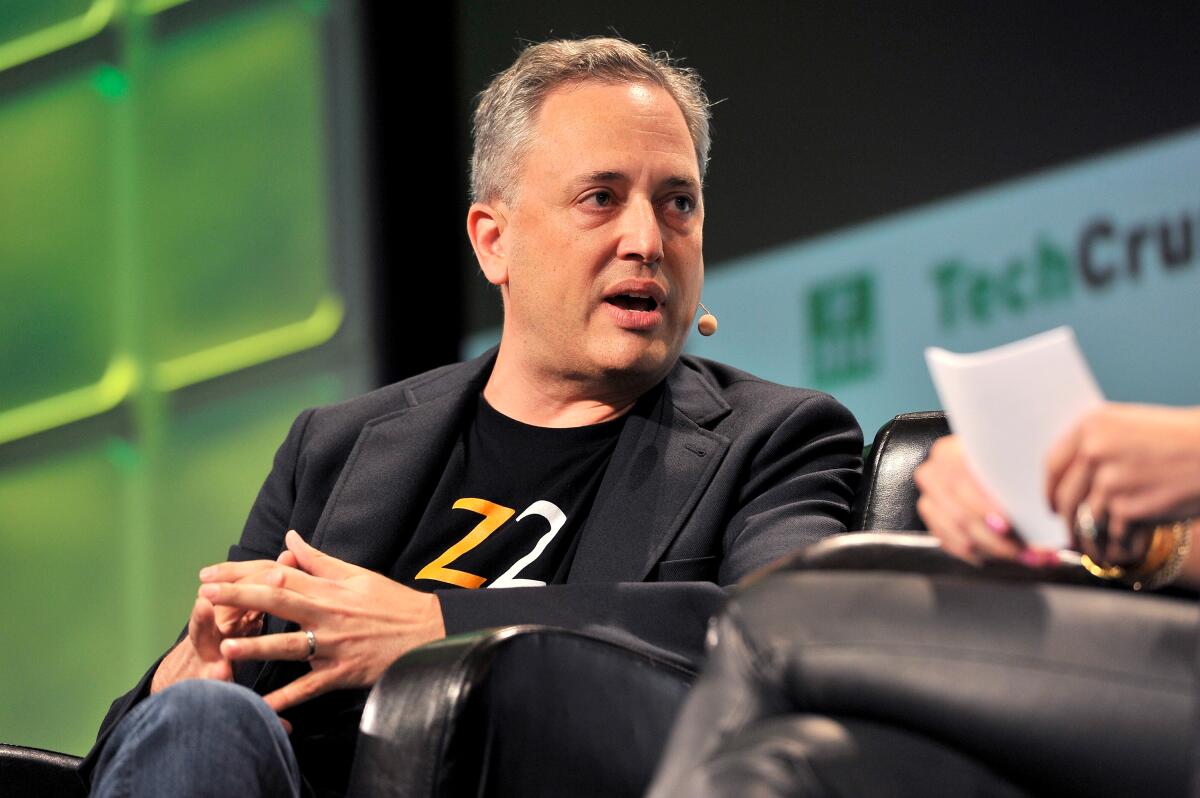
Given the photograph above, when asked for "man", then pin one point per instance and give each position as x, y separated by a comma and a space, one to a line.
585, 466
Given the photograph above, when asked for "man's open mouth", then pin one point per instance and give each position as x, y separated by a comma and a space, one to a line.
633, 302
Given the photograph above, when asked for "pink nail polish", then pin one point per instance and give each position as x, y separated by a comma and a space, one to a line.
1033, 559
997, 523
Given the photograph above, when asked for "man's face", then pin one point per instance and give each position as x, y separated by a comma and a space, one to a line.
603, 242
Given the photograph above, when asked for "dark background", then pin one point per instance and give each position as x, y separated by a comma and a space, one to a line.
827, 114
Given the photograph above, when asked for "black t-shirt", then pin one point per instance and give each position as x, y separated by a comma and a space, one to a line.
506, 512
509, 506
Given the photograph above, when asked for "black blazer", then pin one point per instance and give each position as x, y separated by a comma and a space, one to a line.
716, 473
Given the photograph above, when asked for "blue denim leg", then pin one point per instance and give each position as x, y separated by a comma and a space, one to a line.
198, 737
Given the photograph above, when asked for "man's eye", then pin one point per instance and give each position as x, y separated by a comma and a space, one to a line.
602, 198
683, 204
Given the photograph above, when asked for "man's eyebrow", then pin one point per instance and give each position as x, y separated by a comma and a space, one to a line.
612, 176
677, 181
602, 176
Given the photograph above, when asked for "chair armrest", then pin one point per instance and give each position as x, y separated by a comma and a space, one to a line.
887, 495
517, 711
917, 553
1065, 691
35, 772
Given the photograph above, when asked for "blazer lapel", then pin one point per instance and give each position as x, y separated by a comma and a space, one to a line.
394, 468
664, 461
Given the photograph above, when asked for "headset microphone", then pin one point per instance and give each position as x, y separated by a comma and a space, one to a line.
708, 322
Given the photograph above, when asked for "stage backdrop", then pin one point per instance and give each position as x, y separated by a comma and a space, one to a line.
177, 281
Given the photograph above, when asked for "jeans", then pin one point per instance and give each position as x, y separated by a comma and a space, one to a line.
198, 737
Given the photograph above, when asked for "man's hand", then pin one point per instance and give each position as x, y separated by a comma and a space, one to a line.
362, 620
198, 655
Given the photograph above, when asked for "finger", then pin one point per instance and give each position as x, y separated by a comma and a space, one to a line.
980, 517
233, 571
233, 621
943, 525
285, 645
1073, 487
1039, 557
220, 670
284, 576
287, 726
316, 562
1059, 457
288, 559
1129, 549
1152, 502
203, 631
248, 625
307, 687
280, 602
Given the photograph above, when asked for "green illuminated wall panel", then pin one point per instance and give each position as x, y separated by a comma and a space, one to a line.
23, 20
235, 240
164, 245
62, 574
32, 28
57, 331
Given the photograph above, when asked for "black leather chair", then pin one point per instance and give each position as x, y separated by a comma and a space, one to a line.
887, 495
875, 664
34, 772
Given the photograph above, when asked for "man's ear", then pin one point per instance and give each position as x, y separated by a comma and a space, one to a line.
485, 228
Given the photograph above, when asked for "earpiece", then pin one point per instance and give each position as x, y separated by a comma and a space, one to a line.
708, 322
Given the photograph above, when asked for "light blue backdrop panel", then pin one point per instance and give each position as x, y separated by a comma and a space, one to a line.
1109, 245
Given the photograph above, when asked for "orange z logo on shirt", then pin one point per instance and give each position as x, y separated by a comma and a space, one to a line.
494, 516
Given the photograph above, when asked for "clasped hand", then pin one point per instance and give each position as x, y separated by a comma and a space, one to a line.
362, 621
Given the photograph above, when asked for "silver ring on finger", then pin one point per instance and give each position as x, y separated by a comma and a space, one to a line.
312, 644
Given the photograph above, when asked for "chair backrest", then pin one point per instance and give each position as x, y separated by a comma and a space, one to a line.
887, 497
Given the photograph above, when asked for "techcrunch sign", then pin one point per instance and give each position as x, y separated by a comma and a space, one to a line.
1105, 254
1109, 245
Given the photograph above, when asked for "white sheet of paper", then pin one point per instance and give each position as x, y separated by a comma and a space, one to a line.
1009, 405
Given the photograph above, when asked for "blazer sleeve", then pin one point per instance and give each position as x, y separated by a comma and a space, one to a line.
798, 488
271, 515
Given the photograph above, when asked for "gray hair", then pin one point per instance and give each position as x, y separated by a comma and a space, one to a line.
508, 107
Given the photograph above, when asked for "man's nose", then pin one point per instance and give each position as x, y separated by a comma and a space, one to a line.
641, 233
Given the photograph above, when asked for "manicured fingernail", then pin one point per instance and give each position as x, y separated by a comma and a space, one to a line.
1034, 559
208, 573
997, 523
208, 591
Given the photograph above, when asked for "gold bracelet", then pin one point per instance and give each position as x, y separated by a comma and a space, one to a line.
1164, 559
